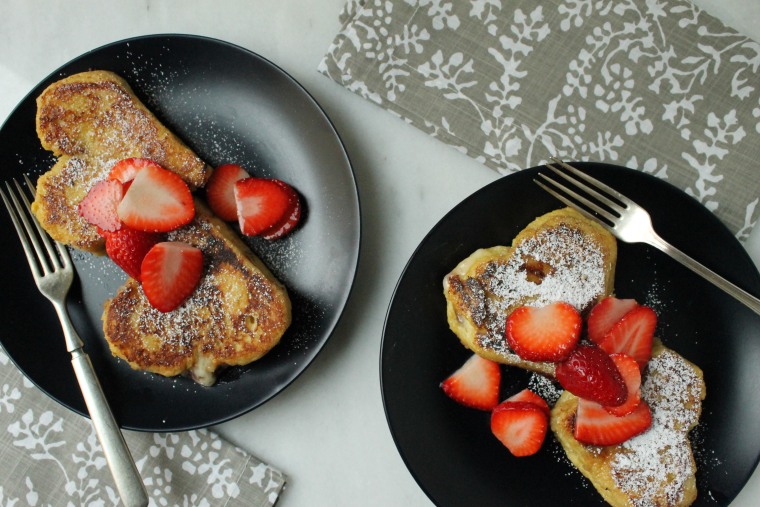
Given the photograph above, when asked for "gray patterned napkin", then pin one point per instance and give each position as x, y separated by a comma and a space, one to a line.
51, 456
656, 85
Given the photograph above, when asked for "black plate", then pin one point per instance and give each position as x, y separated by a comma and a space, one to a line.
229, 105
449, 449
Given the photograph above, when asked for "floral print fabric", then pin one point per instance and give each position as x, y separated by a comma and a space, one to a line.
51, 456
656, 85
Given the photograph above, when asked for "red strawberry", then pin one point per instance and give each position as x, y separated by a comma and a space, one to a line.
546, 333
606, 314
100, 204
261, 205
170, 272
629, 370
125, 170
127, 248
520, 426
157, 201
595, 426
475, 384
290, 221
220, 190
632, 335
529, 396
588, 372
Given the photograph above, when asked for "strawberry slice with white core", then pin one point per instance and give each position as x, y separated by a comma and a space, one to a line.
290, 221
529, 396
156, 201
545, 333
220, 190
632, 335
595, 426
629, 370
606, 314
520, 426
261, 205
170, 273
475, 384
125, 170
99, 207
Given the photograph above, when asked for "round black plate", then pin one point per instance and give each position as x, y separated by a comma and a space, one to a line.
229, 105
450, 450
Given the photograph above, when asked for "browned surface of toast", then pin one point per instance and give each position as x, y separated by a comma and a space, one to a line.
237, 314
91, 121
560, 256
656, 468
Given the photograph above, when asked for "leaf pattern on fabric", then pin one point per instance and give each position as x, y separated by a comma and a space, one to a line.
659, 86
52, 456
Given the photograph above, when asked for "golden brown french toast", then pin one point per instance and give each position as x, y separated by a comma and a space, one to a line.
655, 468
90, 121
560, 256
238, 312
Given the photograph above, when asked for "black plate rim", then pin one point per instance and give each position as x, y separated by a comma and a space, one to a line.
352, 270
403, 453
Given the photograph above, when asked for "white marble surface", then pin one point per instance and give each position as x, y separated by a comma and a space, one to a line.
328, 429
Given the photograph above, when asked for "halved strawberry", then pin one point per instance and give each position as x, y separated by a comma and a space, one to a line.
475, 384
261, 205
127, 247
125, 170
100, 204
157, 201
529, 396
595, 426
632, 335
170, 272
291, 219
588, 372
220, 190
520, 426
629, 370
546, 333
606, 314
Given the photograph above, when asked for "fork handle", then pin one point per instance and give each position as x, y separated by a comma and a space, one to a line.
125, 474
740, 294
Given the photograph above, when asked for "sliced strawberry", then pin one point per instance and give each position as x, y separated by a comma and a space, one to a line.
100, 204
546, 333
220, 190
588, 372
606, 314
125, 170
261, 205
127, 247
529, 396
157, 201
632, 335
520, 426
170, 272
475, 384
595, 426
291, 219
629, 370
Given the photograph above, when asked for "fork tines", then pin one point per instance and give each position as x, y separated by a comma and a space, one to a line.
609, 202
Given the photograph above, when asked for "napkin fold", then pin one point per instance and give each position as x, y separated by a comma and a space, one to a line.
656, 85
51, 456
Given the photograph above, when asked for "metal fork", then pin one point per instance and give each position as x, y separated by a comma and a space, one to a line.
53, 272
627, 221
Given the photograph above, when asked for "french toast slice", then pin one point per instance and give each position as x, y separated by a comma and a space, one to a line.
560, 256
91, 120
238, 312
657, 467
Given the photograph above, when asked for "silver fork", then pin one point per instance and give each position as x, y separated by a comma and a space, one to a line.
627, 221
53, 272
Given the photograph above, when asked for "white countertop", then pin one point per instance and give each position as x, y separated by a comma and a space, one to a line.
327, 430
